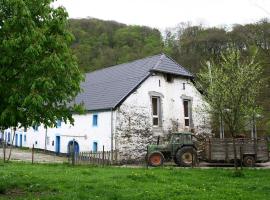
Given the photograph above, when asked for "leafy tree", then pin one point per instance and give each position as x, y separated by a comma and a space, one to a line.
193, 45
231, 87
39, 75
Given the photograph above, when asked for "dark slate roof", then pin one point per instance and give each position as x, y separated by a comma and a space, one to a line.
106, 88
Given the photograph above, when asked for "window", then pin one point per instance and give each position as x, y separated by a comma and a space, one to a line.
95, 120
169, 78
159, 84
24, 138
8, 136
95, 146
58, 123
187, 112
184, 86
156, 110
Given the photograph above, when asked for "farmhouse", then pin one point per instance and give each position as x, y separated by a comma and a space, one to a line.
128, 106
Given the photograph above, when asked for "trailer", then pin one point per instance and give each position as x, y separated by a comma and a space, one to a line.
248, 151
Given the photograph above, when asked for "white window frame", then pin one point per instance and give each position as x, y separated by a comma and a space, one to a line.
157, 116
187, 117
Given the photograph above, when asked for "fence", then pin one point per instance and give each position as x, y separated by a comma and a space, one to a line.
94, 158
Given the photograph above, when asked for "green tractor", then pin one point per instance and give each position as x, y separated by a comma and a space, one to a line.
181, 149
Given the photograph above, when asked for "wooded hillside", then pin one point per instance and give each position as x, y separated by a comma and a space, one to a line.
100, 44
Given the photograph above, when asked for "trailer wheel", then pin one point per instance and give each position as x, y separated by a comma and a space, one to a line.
155, 159
249, 161
185, 155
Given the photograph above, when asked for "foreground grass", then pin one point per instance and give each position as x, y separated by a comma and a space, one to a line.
26, 181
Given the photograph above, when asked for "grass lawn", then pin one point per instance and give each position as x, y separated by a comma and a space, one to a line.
56, 181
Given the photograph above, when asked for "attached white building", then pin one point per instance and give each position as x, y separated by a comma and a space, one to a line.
127, 105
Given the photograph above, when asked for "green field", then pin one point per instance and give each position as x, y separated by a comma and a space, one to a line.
39, 181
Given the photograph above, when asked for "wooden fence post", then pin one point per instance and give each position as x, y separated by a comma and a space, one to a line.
73, 154
33, 147
103, 156
4, 150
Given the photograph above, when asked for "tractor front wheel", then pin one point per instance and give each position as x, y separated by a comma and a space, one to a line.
155, 159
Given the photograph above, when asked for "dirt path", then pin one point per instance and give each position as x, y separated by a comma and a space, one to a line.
26, 155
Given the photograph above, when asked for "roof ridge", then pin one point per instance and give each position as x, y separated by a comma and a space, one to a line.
110, 67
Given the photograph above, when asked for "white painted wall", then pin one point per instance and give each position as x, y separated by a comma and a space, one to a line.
83, 132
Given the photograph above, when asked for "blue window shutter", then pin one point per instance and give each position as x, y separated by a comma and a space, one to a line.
95, 120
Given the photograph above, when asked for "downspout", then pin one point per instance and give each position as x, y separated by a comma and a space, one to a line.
112, 135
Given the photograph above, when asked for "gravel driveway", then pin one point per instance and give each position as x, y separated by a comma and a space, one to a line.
26, 155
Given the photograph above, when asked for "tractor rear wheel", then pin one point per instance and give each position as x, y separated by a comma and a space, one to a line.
186, 156
155, 159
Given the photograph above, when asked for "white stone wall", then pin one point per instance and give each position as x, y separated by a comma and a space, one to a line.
172, 118
83, 132
172, 102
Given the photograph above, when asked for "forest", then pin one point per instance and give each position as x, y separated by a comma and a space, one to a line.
99, 44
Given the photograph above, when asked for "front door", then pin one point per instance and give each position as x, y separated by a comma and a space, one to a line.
57, 144
20, 140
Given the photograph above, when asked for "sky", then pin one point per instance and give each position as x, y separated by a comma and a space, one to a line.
164, 14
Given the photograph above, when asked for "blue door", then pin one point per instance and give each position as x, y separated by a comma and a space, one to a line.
57, 144
95, 146
20, 140
16, 140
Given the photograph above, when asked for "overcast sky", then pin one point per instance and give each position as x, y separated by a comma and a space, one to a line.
168, 13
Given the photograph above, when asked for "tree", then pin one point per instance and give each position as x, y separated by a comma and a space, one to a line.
231, 87
39, 75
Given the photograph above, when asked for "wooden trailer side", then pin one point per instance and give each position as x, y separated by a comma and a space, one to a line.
222, 149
